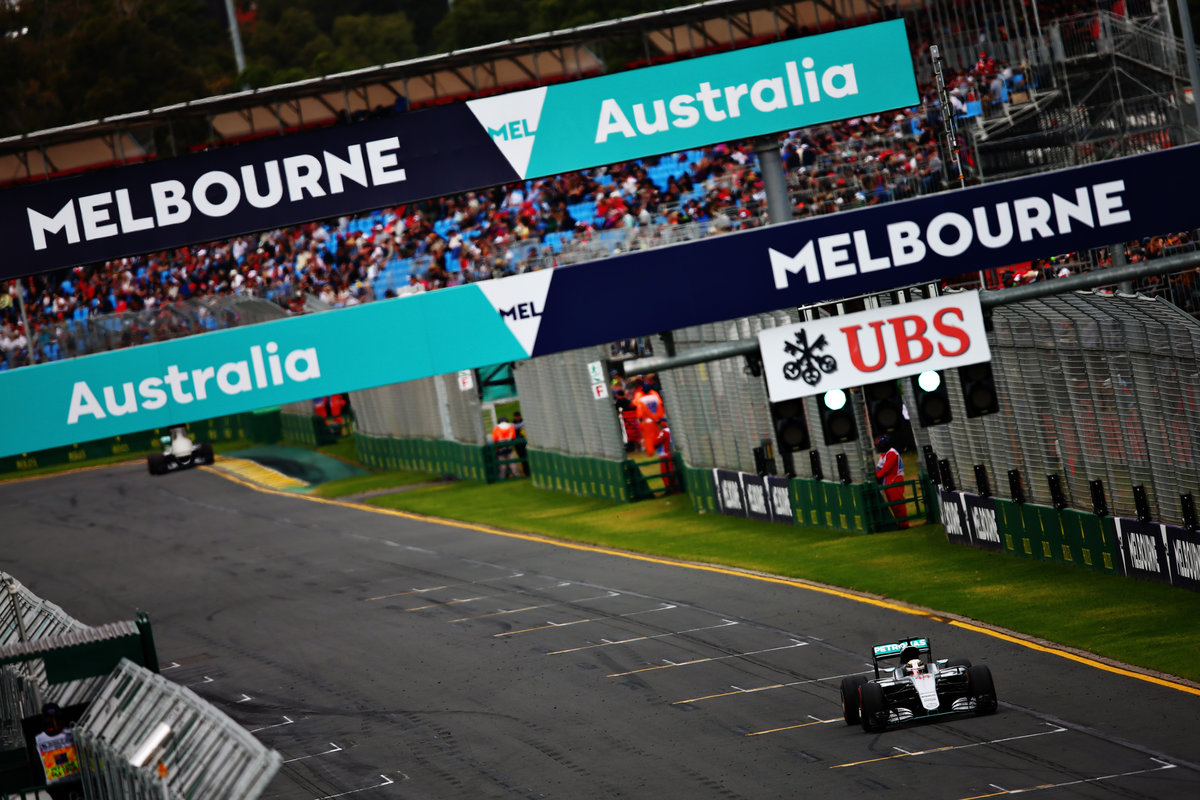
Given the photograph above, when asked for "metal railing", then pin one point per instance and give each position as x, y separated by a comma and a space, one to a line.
146, 738
25, 617
99, 333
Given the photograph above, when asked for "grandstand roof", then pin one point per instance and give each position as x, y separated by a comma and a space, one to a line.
503, 66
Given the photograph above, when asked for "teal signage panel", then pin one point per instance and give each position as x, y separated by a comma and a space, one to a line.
693, 103
330, 172
225, 372
808, 261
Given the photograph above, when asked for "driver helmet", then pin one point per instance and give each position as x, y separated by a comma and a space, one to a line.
914, 667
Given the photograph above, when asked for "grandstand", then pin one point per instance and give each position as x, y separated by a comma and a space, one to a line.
1074, 90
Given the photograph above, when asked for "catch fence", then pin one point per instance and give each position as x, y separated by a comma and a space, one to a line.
562, 413
436, 408
1091, 387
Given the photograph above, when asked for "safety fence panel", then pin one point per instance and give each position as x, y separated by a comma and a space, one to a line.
585, 476
1042, 533
463, 409
46, 656
464, 461
430, 408
720, 411
853, 508
698, 484
563, 412
407, 410
1092, 387
301, 429
146, 738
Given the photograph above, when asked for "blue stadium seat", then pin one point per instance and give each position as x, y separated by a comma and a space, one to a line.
583, 212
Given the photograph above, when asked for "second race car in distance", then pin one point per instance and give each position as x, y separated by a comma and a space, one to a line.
179, 452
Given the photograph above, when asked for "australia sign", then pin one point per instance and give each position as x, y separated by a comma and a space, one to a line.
440, 151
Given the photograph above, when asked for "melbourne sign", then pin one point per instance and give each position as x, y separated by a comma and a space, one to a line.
440, 151
872, 346
547, 311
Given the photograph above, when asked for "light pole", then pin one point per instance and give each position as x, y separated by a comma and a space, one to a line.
1189, 49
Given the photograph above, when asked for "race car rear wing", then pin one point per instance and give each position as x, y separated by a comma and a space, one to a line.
903, 650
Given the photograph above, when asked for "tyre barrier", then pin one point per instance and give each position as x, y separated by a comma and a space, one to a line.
853, 507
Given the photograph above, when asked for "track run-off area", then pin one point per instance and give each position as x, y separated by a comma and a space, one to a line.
391, 656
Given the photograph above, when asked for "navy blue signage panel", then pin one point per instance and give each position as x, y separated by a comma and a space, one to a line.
318, 174
1183, 551
1143, 551
868, 250
981, 519
954, 517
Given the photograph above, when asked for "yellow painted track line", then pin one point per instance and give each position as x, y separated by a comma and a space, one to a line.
1011, 637
793, 727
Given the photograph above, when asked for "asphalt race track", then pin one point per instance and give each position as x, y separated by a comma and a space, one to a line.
390, 657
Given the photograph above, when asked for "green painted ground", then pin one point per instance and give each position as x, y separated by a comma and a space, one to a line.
310, 466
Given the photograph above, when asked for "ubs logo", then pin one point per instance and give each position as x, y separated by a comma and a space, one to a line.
809, 363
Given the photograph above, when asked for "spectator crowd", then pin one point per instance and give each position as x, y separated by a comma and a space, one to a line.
536, 224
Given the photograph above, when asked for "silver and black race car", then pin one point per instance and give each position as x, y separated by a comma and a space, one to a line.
178, 452
917, 687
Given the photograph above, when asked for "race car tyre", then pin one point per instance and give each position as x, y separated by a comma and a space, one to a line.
982, 689
872, 707
156, 463
203, 453
959, 662
850, 698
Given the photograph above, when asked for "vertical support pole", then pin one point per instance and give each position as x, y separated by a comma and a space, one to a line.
1189, 47
949, 134
779, 206
149, 651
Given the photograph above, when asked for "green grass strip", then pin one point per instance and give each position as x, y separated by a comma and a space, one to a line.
1139, 623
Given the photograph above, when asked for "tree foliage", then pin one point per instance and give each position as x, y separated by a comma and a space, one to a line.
64, 61
68, 61
474, 22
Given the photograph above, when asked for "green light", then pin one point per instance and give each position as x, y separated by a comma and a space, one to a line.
835, 400
929, 380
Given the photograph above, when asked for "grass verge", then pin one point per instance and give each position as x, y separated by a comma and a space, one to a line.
1145, 624
376, 481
